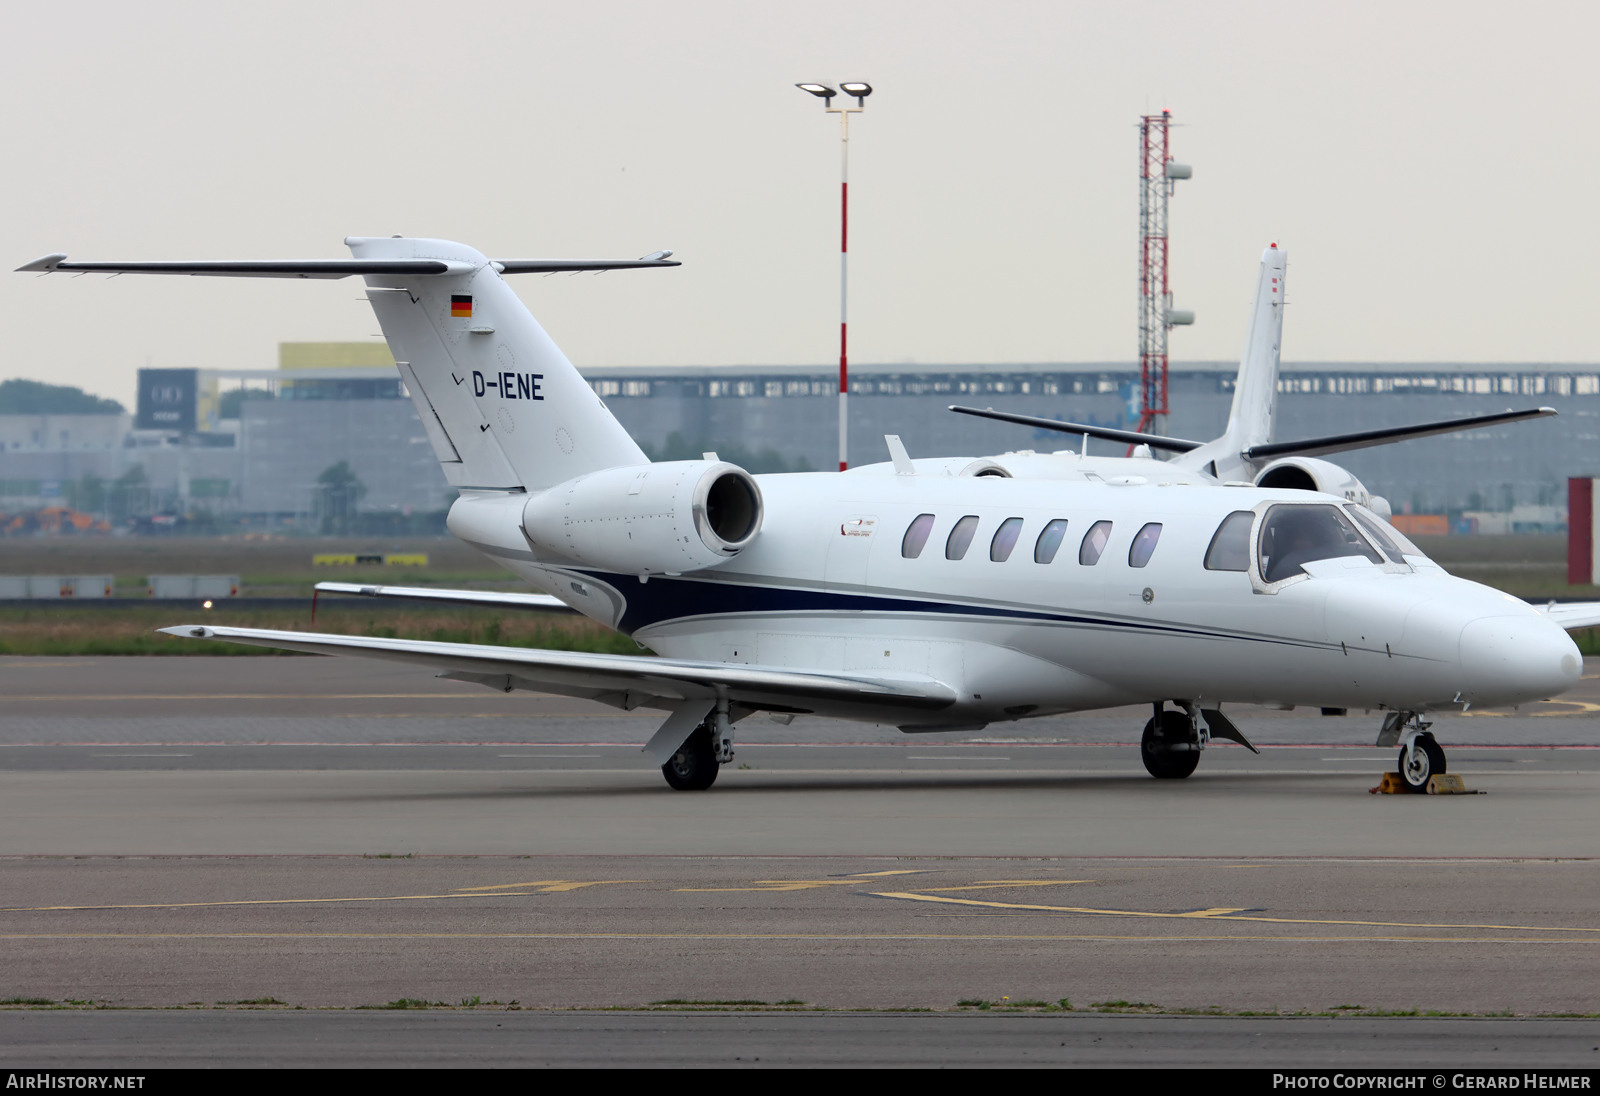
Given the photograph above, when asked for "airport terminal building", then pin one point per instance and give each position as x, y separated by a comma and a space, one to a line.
260, 458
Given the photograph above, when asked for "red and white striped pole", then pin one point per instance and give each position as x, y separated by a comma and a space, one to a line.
859, 91
844, 289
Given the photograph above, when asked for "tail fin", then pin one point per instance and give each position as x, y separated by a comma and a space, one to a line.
503, 407
1255, 390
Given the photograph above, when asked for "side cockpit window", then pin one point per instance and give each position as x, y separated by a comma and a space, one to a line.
1390, 541
1230, 546
1292, 536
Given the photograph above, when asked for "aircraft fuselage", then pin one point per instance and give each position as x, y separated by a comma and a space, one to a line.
830, 584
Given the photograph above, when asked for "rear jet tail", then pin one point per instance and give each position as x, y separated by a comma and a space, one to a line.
1255, 390
502, 405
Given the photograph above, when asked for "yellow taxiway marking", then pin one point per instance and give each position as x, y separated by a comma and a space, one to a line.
550, 886
547, 886
996, 884
769, 886
1221, 914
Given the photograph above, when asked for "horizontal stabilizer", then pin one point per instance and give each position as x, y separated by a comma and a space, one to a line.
1573, 614
1340, 443
332, 268
510, 600
622, 680
1127, 437
552, 266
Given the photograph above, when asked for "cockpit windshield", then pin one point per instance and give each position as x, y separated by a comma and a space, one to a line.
1392, 542
1295, 535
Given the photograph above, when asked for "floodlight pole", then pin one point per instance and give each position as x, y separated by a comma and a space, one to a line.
826, 94
844, 281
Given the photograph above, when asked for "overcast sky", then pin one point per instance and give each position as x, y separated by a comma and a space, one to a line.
1430, 168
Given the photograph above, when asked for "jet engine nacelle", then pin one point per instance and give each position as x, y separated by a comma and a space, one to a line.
666, 518
1311, 474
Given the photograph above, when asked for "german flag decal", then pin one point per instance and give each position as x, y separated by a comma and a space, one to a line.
461, 305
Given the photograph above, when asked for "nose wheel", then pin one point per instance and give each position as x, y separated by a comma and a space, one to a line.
1421, 759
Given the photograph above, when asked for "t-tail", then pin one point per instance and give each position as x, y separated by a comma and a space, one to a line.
1255, 390
502, 405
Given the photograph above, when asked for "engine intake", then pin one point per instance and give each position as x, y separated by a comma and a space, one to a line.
666, 518
1311, 474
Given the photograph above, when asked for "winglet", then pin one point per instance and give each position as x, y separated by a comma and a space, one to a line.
45, 264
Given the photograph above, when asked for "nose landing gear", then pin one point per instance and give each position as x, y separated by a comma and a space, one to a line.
1421, 757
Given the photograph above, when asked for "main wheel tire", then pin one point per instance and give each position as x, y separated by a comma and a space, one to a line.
694, 767
1155, 747
1424, 760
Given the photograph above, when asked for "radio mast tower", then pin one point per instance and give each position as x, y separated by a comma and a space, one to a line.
1158, 175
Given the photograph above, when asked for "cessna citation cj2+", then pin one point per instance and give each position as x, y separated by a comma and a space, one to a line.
900, 594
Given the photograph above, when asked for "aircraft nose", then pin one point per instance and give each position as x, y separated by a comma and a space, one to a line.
1508, 660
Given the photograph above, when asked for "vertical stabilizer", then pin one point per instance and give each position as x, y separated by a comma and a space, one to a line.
503, 407
1255, 390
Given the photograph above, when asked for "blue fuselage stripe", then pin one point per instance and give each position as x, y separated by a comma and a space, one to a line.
668, 599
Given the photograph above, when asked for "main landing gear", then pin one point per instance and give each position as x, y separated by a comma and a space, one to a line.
1172, 741
694, 767
1420, 756
1170, 748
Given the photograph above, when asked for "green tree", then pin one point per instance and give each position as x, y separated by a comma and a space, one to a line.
87, 494
19, 397
339, 491
129, 495
228, 407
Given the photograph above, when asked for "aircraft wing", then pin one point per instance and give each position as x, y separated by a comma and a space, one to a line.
1341, 443
1573, 614
507, 599
333, 268
624, 681
1130, 437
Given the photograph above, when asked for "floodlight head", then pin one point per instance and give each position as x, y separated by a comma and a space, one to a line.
858, 89
821, 91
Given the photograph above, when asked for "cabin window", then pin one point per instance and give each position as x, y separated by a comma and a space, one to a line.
916, 536
1144, 543
1005, 539
1094, 542
961, 537
1230, 547
1295, 535
1049, 542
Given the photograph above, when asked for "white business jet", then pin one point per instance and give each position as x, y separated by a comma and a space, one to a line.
903, 594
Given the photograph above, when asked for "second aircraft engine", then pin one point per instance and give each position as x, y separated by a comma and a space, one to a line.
1311, 474
652, 519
